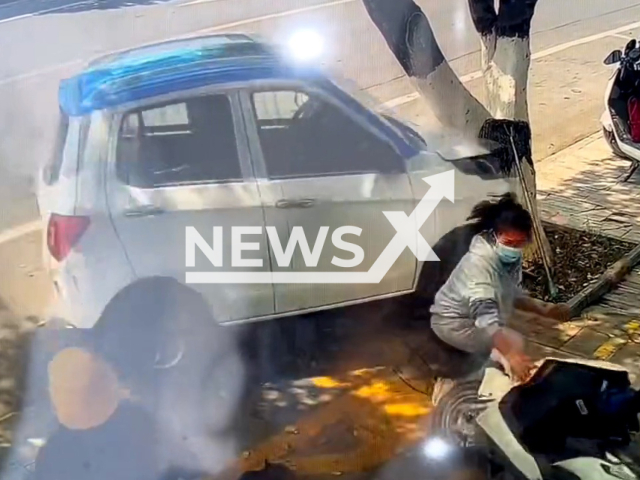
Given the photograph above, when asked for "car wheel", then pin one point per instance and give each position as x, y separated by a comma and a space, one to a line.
171, 352
201, 376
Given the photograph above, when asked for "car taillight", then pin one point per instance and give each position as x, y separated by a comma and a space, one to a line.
63, 232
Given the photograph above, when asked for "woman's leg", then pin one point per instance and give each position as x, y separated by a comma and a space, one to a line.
463, 335
470, 351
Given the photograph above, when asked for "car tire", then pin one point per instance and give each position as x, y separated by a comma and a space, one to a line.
166, 344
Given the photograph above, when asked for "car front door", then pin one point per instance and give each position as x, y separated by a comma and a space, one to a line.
321, 166
184, 163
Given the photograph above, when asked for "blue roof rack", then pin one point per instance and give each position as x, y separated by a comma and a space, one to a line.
169, 67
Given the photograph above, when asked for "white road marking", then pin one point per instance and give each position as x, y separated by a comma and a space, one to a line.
619, 35
584, 40
31, 227
271, 16
17, 232
37, 73
72, 63
396, 102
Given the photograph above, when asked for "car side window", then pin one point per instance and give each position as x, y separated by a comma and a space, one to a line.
184, 142
167, 115
278, 105
304, 135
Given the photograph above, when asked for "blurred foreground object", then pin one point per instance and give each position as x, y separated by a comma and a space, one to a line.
104, 432
83, 388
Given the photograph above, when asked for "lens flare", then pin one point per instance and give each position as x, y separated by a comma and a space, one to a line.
306, 45
436, 448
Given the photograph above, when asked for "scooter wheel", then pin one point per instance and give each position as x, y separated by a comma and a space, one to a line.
630, 456
454, 416
613, 143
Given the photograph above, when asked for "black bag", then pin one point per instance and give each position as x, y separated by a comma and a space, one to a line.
567, 400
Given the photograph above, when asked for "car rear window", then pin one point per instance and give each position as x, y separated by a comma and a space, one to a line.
51, 172
184, 142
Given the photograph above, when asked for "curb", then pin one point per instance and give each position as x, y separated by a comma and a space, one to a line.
609, 279
574, 147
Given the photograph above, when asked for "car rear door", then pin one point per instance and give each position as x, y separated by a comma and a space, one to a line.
180, 163
321, 166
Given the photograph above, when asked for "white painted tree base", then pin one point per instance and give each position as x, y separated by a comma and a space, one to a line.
505, 66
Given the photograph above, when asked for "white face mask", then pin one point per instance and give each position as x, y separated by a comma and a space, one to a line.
508, 254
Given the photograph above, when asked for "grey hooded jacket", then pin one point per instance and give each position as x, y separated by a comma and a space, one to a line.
477, 298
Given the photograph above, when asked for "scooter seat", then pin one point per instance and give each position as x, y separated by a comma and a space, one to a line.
563, 398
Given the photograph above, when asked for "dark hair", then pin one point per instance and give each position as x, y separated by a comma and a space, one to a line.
505, 213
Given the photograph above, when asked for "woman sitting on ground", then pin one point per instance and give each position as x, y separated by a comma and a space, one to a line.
471, 310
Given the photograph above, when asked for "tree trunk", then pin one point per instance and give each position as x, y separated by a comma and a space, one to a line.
506, 54
505, 68
506, 58
410, 38
505, 64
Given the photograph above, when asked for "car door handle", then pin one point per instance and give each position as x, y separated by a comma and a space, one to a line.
296, 203
145, 211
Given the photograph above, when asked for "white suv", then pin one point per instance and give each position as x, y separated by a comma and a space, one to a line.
222, 131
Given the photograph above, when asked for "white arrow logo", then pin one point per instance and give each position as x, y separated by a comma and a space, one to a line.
407, 236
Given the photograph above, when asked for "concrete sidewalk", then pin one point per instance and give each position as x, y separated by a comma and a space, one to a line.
580, 187
598, 336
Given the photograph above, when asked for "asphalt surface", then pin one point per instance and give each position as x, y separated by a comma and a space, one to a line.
52, 39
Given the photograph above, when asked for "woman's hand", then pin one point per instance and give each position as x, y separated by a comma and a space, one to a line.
507, 341
511, 345
521, 365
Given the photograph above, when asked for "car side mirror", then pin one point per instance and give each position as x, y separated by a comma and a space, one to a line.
613, 58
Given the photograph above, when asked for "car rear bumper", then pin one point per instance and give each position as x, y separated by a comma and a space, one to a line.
82, 294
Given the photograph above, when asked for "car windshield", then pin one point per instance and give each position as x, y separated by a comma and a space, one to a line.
314, 239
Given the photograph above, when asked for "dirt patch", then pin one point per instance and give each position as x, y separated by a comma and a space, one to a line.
580, 258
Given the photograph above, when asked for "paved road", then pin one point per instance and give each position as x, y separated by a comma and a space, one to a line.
53, 44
